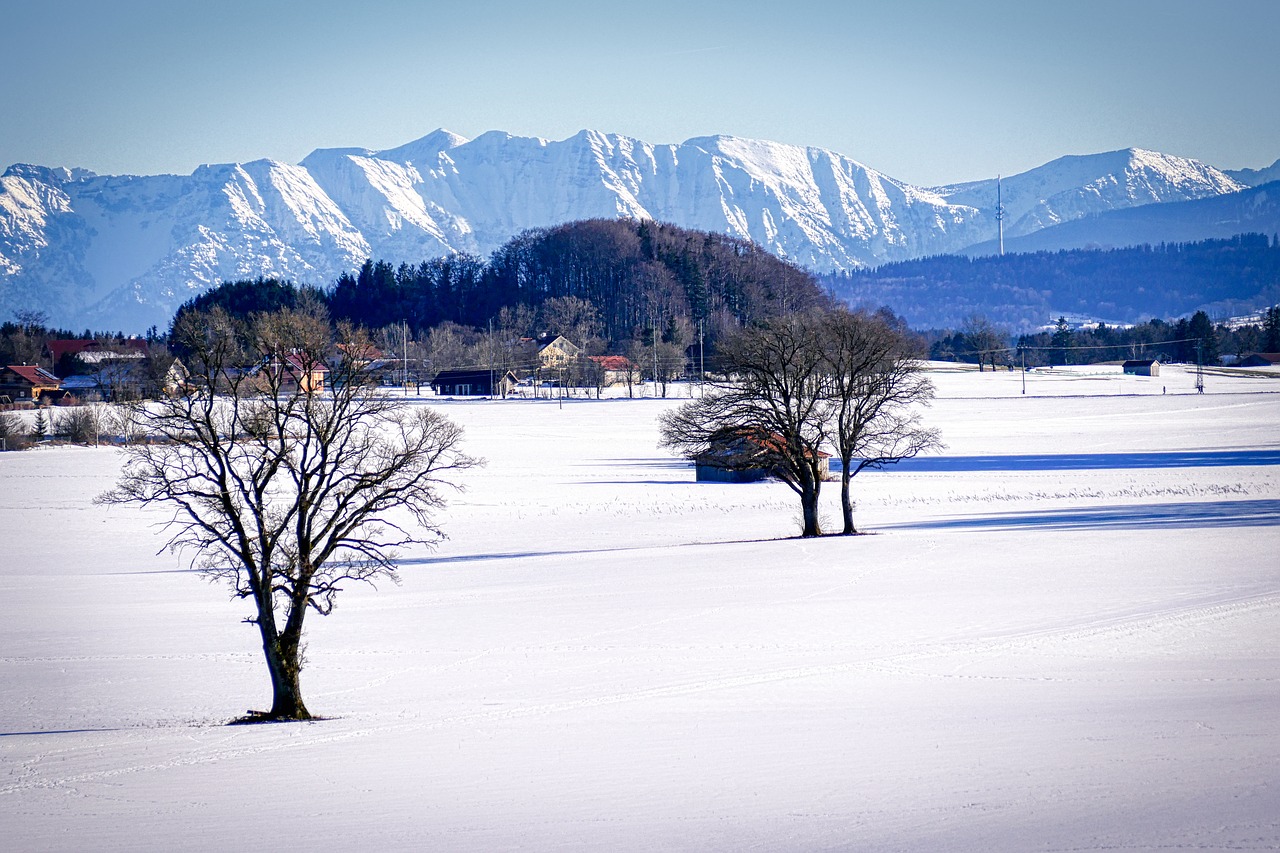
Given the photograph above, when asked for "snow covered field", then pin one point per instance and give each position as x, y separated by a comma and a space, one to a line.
1062, 636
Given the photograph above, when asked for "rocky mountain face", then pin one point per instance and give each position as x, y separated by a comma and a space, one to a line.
125, 251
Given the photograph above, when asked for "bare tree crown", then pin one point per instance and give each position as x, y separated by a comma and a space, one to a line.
288, 472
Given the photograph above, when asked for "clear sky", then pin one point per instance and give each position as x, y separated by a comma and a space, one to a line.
928, 92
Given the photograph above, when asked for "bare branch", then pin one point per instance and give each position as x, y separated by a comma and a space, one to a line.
289, 473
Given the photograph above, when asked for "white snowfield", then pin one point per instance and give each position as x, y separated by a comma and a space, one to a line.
1061, 636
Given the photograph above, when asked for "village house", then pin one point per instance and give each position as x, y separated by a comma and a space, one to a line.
557, 352
70, 356
28, 383
301, 375
616, 369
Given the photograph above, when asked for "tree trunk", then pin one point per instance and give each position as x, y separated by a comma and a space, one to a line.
809, 508
284, 665
846, 502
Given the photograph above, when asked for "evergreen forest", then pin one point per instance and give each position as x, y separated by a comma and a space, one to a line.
1024, 292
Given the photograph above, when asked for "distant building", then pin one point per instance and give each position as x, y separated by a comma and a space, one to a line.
92, 353
616, 369
1261, 359
1142, 367
557, 352
29, 382
297, 373
744, 456
474, 383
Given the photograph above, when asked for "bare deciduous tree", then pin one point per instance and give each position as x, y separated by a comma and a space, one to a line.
987, 340
798, 383
284, 487
875, 380
777, 398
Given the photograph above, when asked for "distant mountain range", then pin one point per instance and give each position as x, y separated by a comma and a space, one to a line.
125, 251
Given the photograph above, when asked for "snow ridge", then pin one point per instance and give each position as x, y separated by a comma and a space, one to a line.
125, 251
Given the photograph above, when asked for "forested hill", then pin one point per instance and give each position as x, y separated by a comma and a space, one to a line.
1025, 291
636, 275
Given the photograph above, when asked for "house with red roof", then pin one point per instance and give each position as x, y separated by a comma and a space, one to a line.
298, 373
92, 353
29, 383
618, 369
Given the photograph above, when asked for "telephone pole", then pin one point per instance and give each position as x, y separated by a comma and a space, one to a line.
1000, 215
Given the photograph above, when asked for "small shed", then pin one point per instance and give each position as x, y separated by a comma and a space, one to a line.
1142, 367
474, 383
745, 456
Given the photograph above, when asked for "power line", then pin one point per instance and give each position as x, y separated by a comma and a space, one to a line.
1131, 345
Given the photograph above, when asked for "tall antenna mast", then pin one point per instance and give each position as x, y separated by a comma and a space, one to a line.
1000, 215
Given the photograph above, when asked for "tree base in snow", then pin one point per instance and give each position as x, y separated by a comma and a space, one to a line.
255, 717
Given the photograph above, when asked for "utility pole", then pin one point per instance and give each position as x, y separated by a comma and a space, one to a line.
653, 328
1022, 352
1000, 215
1199, 367
702, 365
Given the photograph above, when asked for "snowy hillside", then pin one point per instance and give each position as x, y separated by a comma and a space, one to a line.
1061, 636
1071, 187
123, 252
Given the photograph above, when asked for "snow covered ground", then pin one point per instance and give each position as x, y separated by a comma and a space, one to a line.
1062, 636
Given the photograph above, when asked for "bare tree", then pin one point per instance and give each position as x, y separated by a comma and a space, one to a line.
777, 399
14, 434
985, 339
284, 487
577, 319
449, 345
875, 381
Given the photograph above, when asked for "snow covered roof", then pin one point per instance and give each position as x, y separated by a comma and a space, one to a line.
92, 351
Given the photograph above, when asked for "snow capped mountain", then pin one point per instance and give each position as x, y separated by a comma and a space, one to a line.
125, 251
1071, 187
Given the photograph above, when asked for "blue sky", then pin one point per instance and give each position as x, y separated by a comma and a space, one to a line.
927, 92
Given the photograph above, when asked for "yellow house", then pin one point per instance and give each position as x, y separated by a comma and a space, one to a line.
557, 352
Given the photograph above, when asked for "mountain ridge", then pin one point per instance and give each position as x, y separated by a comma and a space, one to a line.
126, 250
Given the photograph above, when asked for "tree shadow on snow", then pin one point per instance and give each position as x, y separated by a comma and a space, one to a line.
1255, 513
1088, 461
56, 732
518, 555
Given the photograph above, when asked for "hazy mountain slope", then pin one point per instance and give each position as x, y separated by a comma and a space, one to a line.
1256, 177
1256, 209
